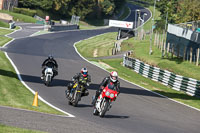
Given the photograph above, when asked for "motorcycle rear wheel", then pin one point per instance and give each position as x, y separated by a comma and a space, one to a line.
69, 103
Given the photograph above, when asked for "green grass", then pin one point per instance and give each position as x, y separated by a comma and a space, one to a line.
12, 92
141, 50
4, 24
5, 31
85, 26
104, 43
132, 76
4, 39
20, 17
176, 65
9, 129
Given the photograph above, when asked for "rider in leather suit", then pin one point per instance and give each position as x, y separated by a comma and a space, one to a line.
84, 78
113, 78
50, 62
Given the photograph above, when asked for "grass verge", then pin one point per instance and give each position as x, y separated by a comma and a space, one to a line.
85, 26
20, 17
85, 49
9, 129
175, 65
4, 39
96, 47
4, 24
133, 77
12, 92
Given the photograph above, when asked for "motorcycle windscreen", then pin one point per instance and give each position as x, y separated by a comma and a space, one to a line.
111, 86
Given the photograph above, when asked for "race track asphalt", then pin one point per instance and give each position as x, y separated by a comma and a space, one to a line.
135, 110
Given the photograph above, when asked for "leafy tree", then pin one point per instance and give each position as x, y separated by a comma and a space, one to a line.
189, 10
82, 8
179, 11
107, 7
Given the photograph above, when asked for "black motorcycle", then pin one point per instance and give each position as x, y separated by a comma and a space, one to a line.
75, 94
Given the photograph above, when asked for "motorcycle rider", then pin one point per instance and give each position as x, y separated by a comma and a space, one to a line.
83, 78
113, 78
50, 62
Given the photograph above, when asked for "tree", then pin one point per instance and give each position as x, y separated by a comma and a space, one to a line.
107, 7
188, 11
81, 8
179, 11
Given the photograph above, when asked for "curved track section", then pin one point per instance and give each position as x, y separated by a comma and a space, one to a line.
135, 110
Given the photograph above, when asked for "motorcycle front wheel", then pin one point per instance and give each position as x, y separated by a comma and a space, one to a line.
104, 108
47, 80
95, 112
76, 99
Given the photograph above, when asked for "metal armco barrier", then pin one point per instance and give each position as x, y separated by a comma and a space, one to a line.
176, 82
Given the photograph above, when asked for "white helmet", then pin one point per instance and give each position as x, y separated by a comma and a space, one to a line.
113, 76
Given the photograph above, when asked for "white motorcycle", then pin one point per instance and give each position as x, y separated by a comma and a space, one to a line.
48, 75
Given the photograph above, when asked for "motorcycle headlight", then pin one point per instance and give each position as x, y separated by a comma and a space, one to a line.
112, 95
107, 93
115, 95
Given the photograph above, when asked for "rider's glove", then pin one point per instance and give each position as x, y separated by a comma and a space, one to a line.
88, 84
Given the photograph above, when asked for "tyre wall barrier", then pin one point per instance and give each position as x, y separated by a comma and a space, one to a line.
63, 27
176, 82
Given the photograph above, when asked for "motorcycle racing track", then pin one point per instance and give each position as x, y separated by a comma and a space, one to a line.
135, 110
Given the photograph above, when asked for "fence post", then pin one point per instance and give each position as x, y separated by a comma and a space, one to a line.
172, 50
155, 39
168, 49
191, 55
178, 50
197, 63
184, 54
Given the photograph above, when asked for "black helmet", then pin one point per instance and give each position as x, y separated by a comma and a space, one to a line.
50, 57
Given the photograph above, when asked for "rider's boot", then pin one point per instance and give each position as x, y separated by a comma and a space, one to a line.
94, 99
85, 93
67, 93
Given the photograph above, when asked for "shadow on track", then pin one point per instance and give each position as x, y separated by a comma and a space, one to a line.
125, 90
84, 106
35, 79
63, 83
116, 116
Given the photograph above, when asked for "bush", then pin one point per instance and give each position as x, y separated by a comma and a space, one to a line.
25, 11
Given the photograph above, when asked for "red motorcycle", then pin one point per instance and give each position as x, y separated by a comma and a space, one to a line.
103, 103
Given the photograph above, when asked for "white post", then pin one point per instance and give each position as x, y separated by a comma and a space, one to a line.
152, 23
